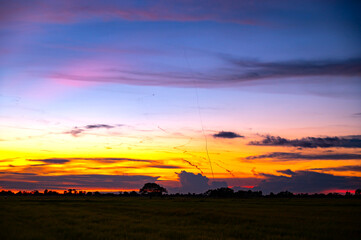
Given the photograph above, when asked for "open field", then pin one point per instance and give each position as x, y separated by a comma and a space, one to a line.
179, 218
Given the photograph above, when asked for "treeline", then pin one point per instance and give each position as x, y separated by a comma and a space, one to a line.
213, 193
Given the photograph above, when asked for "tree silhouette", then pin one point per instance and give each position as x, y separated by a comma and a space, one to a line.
358, 192
152, 189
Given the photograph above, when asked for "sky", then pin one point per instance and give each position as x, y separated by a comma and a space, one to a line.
192, 95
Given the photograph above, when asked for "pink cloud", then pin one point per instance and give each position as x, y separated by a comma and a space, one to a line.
52, 86
78, 68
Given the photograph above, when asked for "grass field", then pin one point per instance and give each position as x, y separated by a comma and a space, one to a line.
142, 218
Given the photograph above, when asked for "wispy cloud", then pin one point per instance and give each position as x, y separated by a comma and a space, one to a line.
136, 163
95, 159
77, 131
232, 73
51, 160
112, 160
94, 126
353, 141
256, 70
66, 12
287, 156
352, 168
287, 172
164, 166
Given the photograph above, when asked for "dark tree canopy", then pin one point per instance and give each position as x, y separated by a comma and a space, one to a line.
152, 189
220, 192
358, 192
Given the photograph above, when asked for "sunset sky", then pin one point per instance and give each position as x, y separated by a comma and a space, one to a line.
192, 95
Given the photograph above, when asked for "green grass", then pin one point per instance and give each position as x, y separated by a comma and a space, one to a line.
142, 218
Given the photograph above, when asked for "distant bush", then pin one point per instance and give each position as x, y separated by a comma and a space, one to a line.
153, 189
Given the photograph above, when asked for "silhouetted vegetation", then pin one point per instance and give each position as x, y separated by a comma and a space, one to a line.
153, 189
358, 192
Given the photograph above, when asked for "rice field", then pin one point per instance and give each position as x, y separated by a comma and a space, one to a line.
66, 217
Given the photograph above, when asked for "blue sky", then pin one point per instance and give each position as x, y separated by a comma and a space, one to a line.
169, 73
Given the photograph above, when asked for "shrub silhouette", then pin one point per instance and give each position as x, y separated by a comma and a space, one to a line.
220, 192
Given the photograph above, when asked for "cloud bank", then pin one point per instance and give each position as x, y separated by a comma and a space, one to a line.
29, 181
256, 70
67, 12
141, 163
306, 182
287, 156
352, 168
234, 72
353, 141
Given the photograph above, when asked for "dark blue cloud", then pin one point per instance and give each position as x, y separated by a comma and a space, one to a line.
76, 131
287, 156
114, 160
306, 182
353, 141
353, 168
93, 126
196, 183
52, 160
232, 11
287, 171
218, 184
164, 166
224, 134
237, 72
193, 183
88, 181
99, 159
147, 163
255, 70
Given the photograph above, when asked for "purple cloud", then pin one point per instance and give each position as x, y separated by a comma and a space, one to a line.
52, 160
196, 183
287, 156
65, 12
26, 181
77, 131
353, 141
224, 134
306, 182
352, 168
235, 73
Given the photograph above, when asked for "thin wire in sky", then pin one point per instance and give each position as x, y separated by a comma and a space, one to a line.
199, 112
